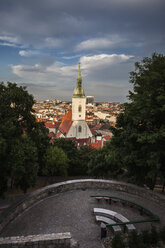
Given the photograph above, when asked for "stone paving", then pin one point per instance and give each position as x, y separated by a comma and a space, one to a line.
72, 211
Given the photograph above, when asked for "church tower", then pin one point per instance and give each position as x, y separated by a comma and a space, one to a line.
79, 128
74, 124
78, 100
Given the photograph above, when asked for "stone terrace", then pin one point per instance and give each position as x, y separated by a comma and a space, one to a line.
72, 211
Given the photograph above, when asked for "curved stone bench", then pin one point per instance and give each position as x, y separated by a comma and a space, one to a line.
108, 221
42, 193
119, 217
116, 216
105, 212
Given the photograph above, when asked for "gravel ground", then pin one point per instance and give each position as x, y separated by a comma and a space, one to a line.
72, 211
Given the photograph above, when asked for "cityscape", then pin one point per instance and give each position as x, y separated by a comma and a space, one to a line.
99, 116
82, 124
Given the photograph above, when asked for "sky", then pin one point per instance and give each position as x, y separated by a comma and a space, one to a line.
42, 41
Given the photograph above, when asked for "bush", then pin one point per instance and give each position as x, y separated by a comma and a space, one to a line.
162, 234
154, 236
55, 162
133, 239
145, 237
117, 241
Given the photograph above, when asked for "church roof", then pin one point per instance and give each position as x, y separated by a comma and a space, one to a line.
51, 124
66, 123
79, 91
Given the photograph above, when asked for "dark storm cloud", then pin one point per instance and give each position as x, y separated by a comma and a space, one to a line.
62, 23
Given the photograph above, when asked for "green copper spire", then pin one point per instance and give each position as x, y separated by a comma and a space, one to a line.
79, 91
79, 79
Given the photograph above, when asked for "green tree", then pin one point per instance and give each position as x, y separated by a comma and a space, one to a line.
55, 162
3, 169
97, 164
40, 137
146, 237
118, 241
154, 236
69, 147
85, 155
134, 240
103, 163
23, 163
139, 137
162, 234
17, 120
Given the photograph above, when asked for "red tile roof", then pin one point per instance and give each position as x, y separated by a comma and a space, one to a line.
66, 123
58, 135
98, 126
93, 131
38, 120
107, 137
97, 144
51, 125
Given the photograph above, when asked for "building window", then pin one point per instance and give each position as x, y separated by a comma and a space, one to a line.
79, 129
79, 108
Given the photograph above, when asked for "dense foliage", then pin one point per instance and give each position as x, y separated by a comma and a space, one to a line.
137, 145
145, 239
139, 138
78, 159
25, 150
23, 141
136, 149
55, 162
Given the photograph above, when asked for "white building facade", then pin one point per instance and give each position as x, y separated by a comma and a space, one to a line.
79, 128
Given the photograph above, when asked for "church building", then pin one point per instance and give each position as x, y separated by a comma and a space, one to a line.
73, 124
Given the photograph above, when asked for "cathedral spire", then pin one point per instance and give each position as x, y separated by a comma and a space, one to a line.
79, 91
79, 79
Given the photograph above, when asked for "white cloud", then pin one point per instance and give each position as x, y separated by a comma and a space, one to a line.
71, 57
52, 42
10, 39
59, 72
7, 44
32, 73
100, 43
105, 76
102, 60
47, 42
28, 53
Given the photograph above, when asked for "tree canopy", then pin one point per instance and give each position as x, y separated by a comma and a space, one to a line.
136, 148
55, 162
139, 137
69, 147
20, 149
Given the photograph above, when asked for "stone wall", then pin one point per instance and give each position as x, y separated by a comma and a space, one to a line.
42, 193
53, 240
